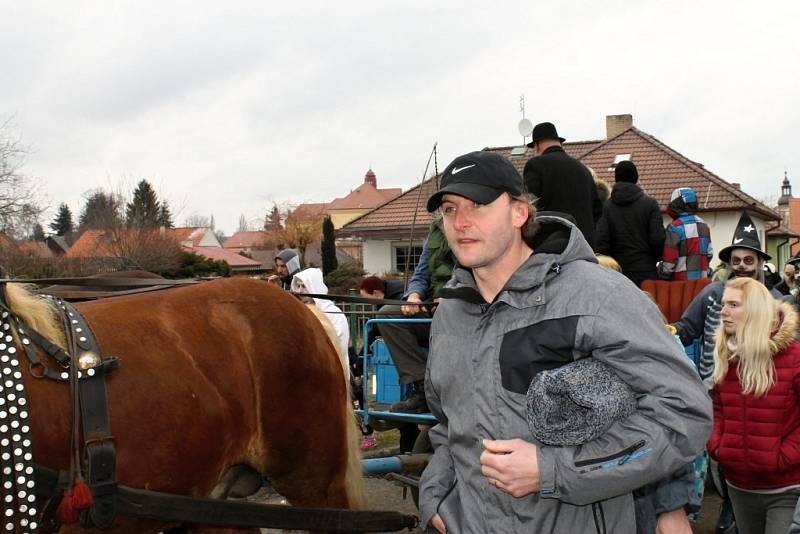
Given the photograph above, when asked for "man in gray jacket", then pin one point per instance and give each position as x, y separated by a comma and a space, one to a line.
521, 302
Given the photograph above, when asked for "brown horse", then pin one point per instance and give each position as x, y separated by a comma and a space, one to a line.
224, 373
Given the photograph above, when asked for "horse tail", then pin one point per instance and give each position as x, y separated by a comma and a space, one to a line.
37, 312
354, 477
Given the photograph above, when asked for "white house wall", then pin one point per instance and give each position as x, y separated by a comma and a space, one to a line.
377, 256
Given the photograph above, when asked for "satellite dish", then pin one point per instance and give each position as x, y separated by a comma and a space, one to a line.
525, 127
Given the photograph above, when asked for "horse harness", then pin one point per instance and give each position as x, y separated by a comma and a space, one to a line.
85, 370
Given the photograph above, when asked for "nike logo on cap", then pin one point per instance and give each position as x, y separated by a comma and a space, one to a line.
737, 241
457, 170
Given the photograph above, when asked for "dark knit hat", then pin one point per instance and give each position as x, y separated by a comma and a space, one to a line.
626, 172
576, 403
480, 176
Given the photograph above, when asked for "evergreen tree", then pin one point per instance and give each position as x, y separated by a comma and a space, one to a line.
165, 216
38, 232
242, 223
102, 211
329, 262
272, 221
144, 210
62, 224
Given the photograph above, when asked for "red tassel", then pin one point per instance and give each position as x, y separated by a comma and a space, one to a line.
75, 499
81, 495
66, 514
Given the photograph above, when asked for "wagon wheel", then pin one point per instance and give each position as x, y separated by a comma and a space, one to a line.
421, 445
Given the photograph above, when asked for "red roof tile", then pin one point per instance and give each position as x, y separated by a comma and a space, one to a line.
245, 239
364, 196
91, 243
233, 259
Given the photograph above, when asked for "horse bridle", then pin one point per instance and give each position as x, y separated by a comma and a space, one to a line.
85, 371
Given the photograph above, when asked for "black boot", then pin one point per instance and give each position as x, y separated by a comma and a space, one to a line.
415, 403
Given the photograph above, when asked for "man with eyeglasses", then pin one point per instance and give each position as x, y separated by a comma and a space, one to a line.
745, 259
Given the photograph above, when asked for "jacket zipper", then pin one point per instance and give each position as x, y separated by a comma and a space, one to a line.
623, 454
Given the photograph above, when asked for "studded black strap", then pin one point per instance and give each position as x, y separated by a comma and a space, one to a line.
16, 458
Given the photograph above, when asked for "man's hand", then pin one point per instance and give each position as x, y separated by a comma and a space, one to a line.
408, 309
511, 466
274, 279
438, 524
674, 522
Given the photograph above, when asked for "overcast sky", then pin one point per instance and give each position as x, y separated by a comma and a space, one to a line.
226, 107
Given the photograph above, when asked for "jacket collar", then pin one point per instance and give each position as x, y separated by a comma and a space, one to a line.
788, 327
526, 287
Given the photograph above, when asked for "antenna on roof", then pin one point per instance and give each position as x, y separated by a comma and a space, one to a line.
525, 126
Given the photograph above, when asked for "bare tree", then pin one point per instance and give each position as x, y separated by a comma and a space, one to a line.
20, 197
300, 230
195, 220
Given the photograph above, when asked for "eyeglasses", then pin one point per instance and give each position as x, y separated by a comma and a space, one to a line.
747, 260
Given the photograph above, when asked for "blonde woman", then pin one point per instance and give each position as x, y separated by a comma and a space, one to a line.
756, 436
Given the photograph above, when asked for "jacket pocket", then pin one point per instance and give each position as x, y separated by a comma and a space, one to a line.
538, 347
449, 509
611, 460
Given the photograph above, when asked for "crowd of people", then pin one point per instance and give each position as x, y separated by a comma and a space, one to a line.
564, 402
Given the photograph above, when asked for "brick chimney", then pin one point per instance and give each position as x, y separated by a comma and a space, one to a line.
616, 124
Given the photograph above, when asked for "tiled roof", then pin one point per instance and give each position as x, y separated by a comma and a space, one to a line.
310, 209
245, 239
91, 243
661, 170
186, 233
364, 196
236, 261
782, 230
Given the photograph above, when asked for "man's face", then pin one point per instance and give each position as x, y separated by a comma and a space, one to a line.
744, 263
281, 268
480, 234
788, 273
732, 310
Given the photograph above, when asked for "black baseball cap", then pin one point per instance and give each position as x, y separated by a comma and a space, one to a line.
479, 176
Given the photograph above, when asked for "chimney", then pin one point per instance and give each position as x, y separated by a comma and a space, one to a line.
616, 124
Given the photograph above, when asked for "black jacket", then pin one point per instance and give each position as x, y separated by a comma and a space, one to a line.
562, 183
631, 229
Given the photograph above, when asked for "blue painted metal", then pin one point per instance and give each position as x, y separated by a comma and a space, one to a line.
365, 413
381, 466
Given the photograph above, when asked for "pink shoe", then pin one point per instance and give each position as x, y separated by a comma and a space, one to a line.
368, 442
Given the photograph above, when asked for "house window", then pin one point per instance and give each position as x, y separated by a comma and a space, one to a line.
403, 253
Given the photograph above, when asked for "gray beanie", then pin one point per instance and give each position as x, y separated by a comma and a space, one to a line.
291, 259
576, 403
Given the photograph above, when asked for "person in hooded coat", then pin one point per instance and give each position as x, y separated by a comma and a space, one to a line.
687, 248
310, 281
631, 230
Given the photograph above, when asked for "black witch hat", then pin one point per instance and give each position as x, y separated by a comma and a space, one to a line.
745, 236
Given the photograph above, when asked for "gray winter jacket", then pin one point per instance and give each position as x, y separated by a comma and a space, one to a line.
556, 308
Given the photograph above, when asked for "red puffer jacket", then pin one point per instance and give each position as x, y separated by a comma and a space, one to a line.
757, 439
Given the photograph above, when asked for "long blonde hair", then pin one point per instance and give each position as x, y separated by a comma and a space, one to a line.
753, 337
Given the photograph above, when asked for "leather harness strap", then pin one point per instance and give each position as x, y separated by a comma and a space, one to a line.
99, 451
236, 514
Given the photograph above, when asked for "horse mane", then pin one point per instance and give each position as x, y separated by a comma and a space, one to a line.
37, 312
355, 473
